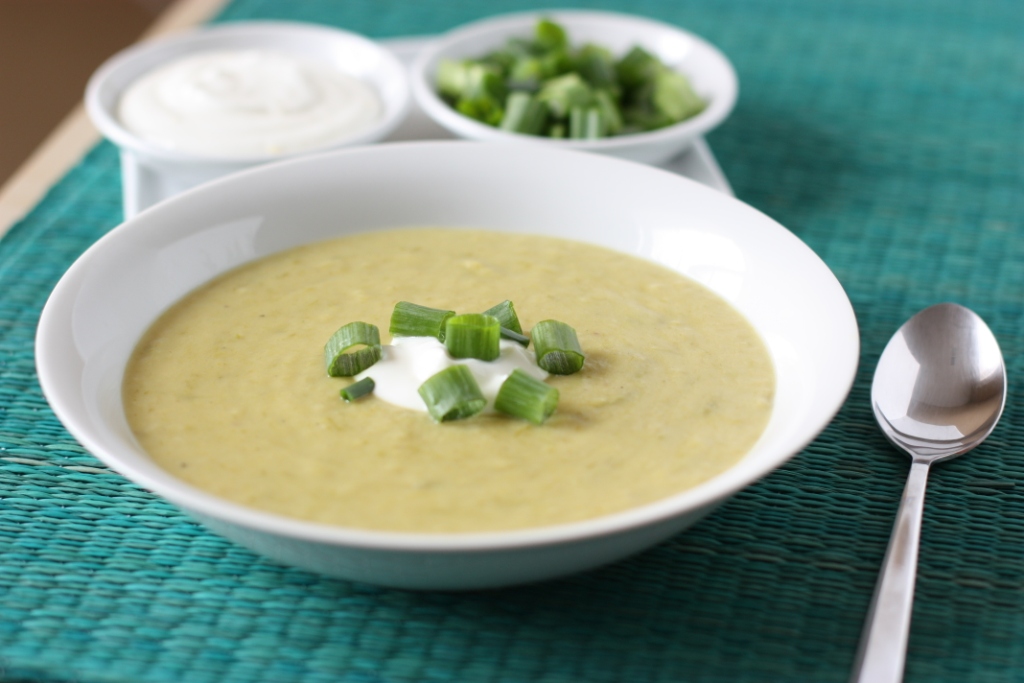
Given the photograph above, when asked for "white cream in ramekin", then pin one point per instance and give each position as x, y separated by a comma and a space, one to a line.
152, 170
243, 103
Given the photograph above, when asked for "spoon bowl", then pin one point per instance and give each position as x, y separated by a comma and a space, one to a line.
940, 385
939, 390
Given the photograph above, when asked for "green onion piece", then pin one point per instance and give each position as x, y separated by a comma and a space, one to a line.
550, 36
453, 77
586, 123
524, 114
520, 339
643, 116
484, 80
636, 68
505, 312
556, 62
558, 350
413, 320
452, 394
609, 111
502, 60
520, 46
523, 396
341, 361
565, 92
486, 109
596, 65
358, 389
473, 335
525, 73
674, 97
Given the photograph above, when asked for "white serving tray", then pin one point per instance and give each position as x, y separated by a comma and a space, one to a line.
697, 163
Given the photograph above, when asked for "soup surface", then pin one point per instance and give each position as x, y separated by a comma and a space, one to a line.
228, 389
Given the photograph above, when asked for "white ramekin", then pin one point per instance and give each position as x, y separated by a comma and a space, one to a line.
151, 173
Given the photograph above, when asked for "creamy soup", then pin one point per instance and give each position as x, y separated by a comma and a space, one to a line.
228, 389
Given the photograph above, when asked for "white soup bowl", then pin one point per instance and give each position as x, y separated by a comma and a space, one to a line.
117, 289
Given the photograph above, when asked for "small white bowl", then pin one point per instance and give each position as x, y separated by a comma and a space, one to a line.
110, 296
151, 173
709, 71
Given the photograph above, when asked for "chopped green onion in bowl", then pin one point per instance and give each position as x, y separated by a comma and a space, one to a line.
352, 349
413, 320
544, 86
473, 335
357, 390
452, 394
526, 397
558, 348
511, 376
505, 312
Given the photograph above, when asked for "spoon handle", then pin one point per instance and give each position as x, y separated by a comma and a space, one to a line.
883, 644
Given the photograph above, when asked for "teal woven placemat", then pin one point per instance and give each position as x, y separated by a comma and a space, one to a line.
885, 133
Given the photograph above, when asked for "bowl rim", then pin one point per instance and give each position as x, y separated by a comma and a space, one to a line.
194, 500
204, 38
438, 110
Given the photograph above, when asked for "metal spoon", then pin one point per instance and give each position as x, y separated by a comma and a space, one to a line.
938, 391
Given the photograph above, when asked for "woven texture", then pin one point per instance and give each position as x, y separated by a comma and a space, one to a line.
887, 134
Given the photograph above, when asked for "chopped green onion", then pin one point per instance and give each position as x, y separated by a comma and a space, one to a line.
558, 350
524, 114
596, 65
520, 339
484, 81
523, 396
550, 36
452, 394
586, 123
505, 312
341, 361
525, 73
609, 111
473, 335
674, 97
413, 320
486, 109
533, 84
636, 67
476, 89
452, 77
565, 92
358, 389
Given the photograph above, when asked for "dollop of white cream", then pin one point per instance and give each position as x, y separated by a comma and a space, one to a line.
239, 103
410, 361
